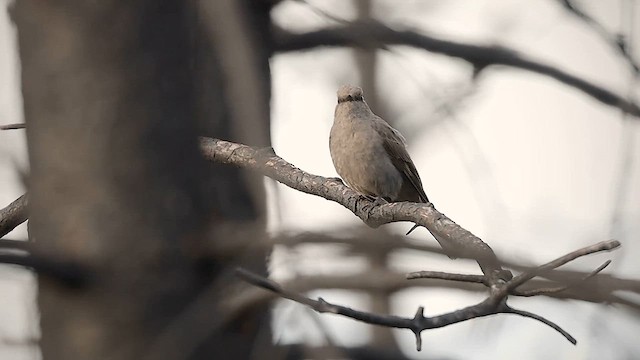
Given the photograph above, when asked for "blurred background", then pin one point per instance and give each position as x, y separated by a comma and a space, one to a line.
534, 166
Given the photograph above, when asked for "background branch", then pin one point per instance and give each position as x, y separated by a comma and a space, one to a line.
17, 245
495, 303
528, 275
375, 34
552, 290
13, 215
67, 273
572, 287
447, 276
616, 42
13, 126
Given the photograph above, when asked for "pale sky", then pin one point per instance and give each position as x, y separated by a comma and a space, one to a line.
530, 165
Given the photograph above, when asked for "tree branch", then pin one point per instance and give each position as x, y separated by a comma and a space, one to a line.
373, 34
15, 245
463, 242
551, 324
480, 279
528, 275
553, 290
13, 126
68, 273
608, 282
389, 281
13, 215
490, 306
362, 240
614, 41
495, 303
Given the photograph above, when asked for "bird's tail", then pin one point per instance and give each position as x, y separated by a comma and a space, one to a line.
411, 230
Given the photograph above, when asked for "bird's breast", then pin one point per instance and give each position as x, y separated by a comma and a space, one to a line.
361, 160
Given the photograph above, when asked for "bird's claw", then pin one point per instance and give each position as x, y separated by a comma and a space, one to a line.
377, 201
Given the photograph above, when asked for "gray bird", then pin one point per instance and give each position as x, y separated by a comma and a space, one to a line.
370, 155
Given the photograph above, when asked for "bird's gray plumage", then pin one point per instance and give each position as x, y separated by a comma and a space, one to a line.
370, 155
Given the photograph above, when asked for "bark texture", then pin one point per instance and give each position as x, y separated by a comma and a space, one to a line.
115, 94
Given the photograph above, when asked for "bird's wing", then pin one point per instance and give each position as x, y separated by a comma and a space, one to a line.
395, 145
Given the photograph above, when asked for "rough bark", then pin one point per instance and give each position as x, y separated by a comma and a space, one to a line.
113, 95
13, 215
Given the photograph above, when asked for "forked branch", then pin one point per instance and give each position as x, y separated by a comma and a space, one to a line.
463, 242
13, 215
495, 303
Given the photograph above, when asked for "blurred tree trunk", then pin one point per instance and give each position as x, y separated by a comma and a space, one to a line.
115, 94
367, 63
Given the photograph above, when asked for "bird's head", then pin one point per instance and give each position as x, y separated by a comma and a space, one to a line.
349, 93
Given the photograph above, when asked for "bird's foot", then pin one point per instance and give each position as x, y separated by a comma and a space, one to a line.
377, 201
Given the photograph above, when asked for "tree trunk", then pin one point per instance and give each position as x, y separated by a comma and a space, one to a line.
115, 94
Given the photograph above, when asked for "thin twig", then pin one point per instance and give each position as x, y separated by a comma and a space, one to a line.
68, 273
613, 40
13, 215
553, 325
362, 240
495, 303
13, 126
526, 276
480, 279
265, 161
20, 245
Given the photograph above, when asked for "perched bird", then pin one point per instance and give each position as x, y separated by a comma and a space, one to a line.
370, 155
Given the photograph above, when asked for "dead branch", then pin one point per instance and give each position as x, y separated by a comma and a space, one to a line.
571, 281
13, 126
557, 289
373, 34
391, 281
463, 242
15, 245
417, 324
67, 273
495, 303
567, 283
13, 215
480, 279
614, 41
528, 275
